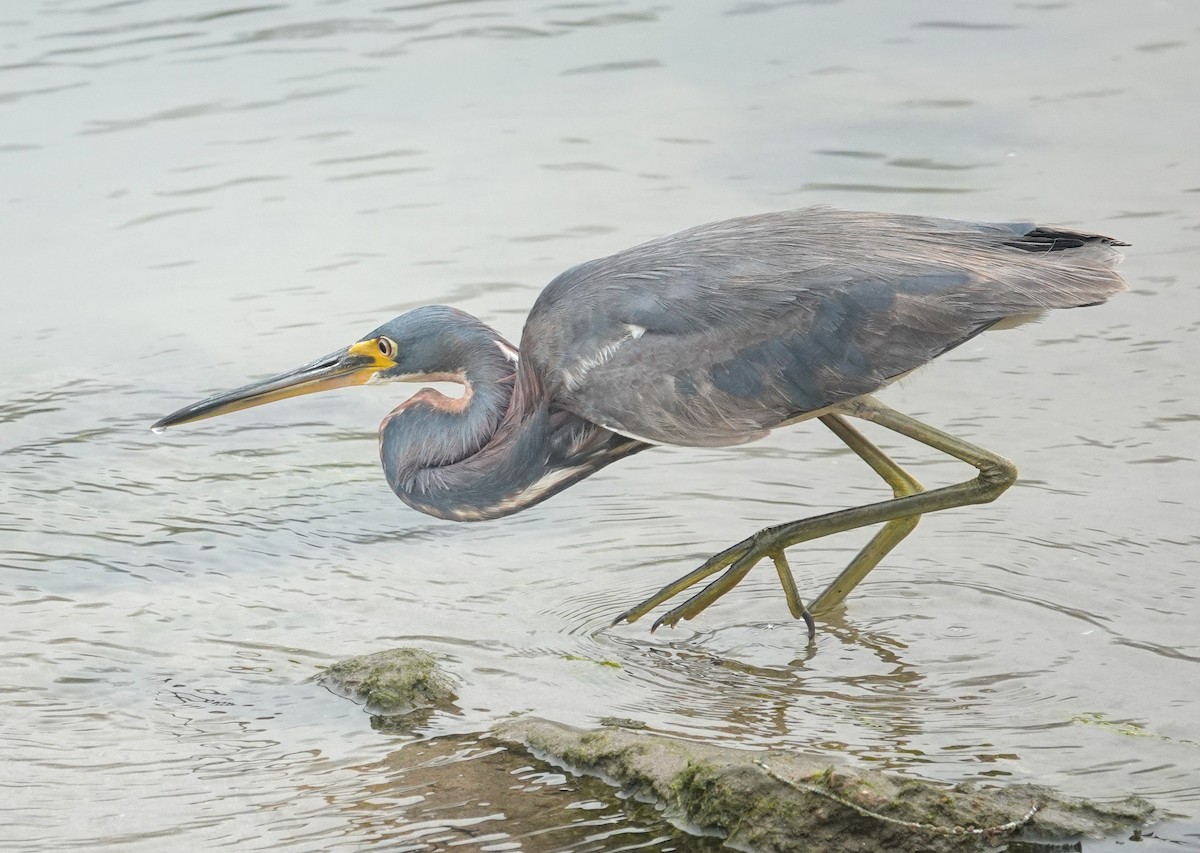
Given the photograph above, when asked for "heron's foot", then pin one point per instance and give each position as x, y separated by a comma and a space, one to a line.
737, 560
772, 542
740, 559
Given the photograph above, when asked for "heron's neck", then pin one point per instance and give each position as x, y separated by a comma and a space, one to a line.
494, 452
430, 432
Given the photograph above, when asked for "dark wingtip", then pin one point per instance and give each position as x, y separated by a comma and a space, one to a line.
1046, 239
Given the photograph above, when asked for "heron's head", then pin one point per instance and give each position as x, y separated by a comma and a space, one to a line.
425, 345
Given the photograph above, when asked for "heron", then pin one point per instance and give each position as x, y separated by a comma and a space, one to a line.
710, 337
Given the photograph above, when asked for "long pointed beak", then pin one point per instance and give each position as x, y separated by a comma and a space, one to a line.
354, 365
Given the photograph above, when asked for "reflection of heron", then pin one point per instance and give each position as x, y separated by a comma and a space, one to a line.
713, 336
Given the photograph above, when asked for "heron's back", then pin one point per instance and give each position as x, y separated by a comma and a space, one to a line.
719, 333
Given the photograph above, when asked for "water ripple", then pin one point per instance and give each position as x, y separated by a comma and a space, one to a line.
198, 197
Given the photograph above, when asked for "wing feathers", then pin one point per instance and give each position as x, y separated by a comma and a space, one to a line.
744, 324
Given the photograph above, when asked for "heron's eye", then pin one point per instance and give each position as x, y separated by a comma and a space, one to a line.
387, 347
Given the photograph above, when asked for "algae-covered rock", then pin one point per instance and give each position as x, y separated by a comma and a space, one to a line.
785, 801
391, 683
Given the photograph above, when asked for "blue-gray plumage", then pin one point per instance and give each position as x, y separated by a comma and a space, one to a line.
712, 336
750, 322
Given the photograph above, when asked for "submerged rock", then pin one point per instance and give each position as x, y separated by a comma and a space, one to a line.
755, 800
785, 801
391, 683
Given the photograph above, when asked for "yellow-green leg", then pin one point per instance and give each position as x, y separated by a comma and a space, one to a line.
902, 483
889, 536
900, 515
881, 543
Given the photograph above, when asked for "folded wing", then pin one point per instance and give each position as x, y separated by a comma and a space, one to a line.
715, 335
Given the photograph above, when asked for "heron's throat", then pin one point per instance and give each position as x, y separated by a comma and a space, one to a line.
431, 432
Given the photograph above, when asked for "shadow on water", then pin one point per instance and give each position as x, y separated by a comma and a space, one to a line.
455, 792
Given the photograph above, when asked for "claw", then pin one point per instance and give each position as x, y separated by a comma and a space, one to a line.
812, 626
627, 616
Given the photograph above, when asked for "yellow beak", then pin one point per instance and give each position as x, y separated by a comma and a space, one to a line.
354, 365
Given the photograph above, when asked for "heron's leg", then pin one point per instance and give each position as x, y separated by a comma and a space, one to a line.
881, 543
996, 474
902, 483
745, 555
794, 602
890, 535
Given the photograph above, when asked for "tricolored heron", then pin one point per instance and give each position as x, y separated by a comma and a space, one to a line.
709, 337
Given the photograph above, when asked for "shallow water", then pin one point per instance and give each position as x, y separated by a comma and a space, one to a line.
195, 195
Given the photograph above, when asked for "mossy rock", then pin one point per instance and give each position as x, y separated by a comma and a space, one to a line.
788, 801
391, 683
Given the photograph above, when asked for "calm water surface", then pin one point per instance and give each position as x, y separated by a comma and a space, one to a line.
196, 194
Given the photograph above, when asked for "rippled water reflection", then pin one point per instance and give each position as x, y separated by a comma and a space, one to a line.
195, 195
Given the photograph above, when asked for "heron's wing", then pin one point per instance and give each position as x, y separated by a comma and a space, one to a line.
717, 334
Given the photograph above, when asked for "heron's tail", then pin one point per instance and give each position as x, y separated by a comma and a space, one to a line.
1054, 268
